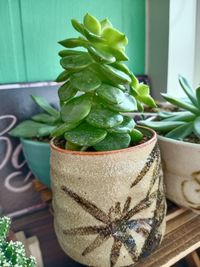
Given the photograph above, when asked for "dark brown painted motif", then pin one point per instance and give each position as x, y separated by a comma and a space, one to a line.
118, 223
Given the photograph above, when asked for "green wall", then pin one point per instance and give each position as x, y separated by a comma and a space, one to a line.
30, 30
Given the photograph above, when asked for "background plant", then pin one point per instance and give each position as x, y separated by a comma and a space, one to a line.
40, 125
12, 254
179, 125
98, 89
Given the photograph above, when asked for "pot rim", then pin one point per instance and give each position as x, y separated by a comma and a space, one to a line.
32, 142
96, 153
177, 142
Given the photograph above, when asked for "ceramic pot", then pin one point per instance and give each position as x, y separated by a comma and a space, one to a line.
109, 207
181, 172
37, 155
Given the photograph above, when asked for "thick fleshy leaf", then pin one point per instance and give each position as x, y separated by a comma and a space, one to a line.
114, 37
198, 95
76, 109
68, 52
136, 136
118, 54
134, 81
115, 75
143, 89
92, 24
85, 135
111, 94
127, 105
105, 23
41, 102
122, 67
162, 126
180, 132
100, 56
113, 141
79, 27
126, 126
75, 62
28, 129
147, 100
63, 76
180, 103
46, 130
104, 118
74, 42
197, 127
167, 114
61, 129
85, 80
93, 37
66, 91
45, 118
181, 116
187, 89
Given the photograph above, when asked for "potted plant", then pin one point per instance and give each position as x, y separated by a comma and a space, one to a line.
108, 199
179, 141
12, 253
35, 135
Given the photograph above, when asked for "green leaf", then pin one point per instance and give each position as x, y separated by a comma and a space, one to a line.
65, 53
114, 37
181, 116
162, 126
66, 91
27, 129
41, 102
79, 27
104, 118
115, 75
118, 54
76, 109
45, 118
74, 42
92, 24
46, 130
126, 126
85, 80
197, 127
188, 89
113, 141
181, 104
120, 66
100, 56
105, 23
61, 129
110, 93
136, 136
85, 135
63, 76
127, 105
134, 81
198, 96
147, 100
75, 62
93, 37
143, 89
180, 132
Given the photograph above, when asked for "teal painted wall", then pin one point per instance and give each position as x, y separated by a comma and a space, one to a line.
30, 30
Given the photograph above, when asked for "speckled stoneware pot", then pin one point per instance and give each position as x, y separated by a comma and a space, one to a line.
109, 207
181, 166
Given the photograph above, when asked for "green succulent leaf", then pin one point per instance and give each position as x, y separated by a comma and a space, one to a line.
45, 130
74, 42
104, 118
92, 24
85, 80
127, 105
105, 23
126, 126
122, 67
181, 116
41, 102
29, 129
113, 141
63, 76
93, 37
110, 94
114, 37
198, 96
68, 52
79, 27
188, 90
75, 62
181, 103
85, 135
180, 132
140, 107
161, 126
118, 54
136, 136
44, 118
167, 114
66, 91
61, 129
197, 127
100, 56
143, 89
147, 100
76, 109
115, 75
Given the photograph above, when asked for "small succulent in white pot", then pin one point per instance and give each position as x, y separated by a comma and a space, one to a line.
106, 175
179, 141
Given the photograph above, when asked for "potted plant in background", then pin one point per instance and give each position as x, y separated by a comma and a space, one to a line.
179, 141
35, 135
108, 199
12, 253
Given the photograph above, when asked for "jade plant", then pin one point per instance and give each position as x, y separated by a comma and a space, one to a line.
41, 125
184, 123
12, 254
98, 89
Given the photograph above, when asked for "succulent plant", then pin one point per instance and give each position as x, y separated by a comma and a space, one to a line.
12, 254
181, 124
40, 125
98, 89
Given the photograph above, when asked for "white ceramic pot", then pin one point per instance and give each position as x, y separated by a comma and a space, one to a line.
181, 165
109, 207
